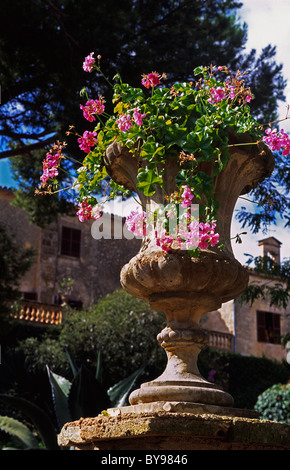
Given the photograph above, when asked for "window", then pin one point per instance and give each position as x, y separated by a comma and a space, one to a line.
268, 327
70, 241
29, 295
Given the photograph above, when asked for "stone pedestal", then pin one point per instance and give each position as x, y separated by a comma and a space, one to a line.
172, 426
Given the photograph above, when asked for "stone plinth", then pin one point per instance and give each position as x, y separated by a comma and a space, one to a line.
175, 426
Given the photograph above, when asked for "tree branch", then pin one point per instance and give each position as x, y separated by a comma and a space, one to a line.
26, 148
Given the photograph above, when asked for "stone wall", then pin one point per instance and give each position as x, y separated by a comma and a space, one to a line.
95, 272
24, 234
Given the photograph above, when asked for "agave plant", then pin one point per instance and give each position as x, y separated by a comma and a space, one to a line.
84, 396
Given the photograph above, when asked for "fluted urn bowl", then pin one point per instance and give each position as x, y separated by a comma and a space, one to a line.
182, 287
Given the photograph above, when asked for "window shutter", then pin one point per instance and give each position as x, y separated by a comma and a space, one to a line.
261, 326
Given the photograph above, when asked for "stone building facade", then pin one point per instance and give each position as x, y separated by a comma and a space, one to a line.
68, 248
92, 255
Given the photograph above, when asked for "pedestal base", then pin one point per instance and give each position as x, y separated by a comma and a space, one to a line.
175, 426
202, 392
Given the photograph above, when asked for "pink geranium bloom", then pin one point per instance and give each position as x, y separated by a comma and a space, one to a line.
249, 98
214, 239
124, 122
203, 242
151, 80
136, 222
187, 196
89, 63
217, 94
138, 117
91, 108
87, 212
88, 140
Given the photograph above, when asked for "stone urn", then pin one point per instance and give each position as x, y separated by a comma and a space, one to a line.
182, 287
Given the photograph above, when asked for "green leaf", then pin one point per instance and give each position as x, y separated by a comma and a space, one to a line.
39, 418
119, 392
199, 70
72, 364
19, 430
99, 368
146, 181
87, 396
60, 388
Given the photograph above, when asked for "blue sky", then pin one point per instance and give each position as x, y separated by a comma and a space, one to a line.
268, 23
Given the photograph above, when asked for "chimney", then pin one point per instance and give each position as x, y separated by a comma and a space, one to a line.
270, 247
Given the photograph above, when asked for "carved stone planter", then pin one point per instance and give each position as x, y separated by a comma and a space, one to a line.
185, 288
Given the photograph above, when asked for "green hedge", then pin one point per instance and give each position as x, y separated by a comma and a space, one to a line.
244, 377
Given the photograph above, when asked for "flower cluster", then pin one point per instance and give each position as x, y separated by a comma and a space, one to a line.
152, 79
136, 223
88, 140
233, 88
188, 122
277, 141
193, 236
89, 62
87, 211
125, 121
51, 163
93, 107
186, 234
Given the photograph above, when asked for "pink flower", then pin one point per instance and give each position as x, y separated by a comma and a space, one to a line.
249, 98
136, 222
87, 212
151, 80
207, 235
203, 241
124, 122
164, 241
50, 165
187, 196
277, 141
214, 239
89, 62
232, 93
217, 94
87, 141
138, 117
91, 108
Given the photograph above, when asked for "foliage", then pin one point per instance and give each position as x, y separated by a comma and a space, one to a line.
186, 119
274, 403
14, 263
277, 292
190, 125
20, 431
84, 396
244, 377
123, 328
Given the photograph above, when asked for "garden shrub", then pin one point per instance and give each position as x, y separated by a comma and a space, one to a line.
274, 403
244, 377
121, 327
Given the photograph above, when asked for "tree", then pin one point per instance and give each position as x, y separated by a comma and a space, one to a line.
41, 66
14, 263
